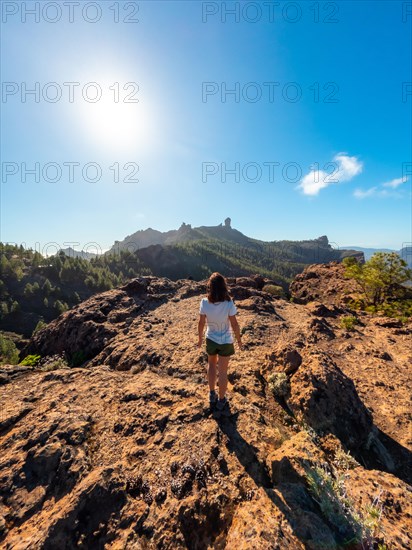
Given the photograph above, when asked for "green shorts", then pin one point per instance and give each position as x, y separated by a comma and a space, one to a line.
212, 348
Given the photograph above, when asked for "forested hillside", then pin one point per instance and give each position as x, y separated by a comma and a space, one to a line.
34, 288
37, 289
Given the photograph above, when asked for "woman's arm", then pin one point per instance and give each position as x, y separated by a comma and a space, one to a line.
200, 329
236, 330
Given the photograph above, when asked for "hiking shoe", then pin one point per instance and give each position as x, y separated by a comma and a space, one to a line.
212, 398
222, 404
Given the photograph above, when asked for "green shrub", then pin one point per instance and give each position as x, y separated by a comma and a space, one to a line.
30, 360
355, 303
348, 322
397, 308
328, 489
274, 290
344, 460
40, 324
279, 384
380, 277
349, 260
401, 308
54, 362
9, 353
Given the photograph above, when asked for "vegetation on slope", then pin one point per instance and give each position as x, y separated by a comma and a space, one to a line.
34, 288
382, 278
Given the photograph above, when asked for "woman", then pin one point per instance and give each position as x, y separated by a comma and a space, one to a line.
219, 312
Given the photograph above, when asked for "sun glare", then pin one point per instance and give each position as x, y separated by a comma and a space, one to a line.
116, 117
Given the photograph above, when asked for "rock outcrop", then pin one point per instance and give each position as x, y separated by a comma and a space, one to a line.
121, 450
323, 283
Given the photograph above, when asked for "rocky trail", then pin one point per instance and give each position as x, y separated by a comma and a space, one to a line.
124, 452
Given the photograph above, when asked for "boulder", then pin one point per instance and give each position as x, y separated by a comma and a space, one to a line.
323, 397
323, 283
288, 359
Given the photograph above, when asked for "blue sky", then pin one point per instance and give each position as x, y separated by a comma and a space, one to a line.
318, 88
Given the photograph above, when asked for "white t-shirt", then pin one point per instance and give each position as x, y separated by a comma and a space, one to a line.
217, 320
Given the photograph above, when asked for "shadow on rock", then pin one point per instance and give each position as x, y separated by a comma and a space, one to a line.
290, 496
324, 398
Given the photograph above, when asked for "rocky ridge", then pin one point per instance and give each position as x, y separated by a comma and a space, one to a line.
122, 451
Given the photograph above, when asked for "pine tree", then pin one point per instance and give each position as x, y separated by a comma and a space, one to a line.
8, 351
28, 290
60, 306
4, 310
40, 325
35, 287
47, 287
37, 259
5, 268
380, 276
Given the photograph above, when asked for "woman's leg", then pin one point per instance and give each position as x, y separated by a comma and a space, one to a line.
222, 366
211, 371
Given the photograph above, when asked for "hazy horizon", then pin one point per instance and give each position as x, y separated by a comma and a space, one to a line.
79, 246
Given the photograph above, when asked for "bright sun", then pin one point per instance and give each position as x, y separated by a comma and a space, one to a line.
116, 117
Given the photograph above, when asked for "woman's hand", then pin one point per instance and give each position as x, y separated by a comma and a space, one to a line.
240, 344
200, 342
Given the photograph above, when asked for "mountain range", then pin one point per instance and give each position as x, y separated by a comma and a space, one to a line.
208, 235
196, 251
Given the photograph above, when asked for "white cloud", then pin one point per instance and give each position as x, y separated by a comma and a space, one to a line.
359, 194
342, 168
313, 182
349, 167
386, 193
394, 183
376, 191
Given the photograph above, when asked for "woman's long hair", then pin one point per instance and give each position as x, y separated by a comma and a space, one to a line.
217, 290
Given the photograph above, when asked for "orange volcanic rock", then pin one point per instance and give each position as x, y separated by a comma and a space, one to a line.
122, 451
324, 282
